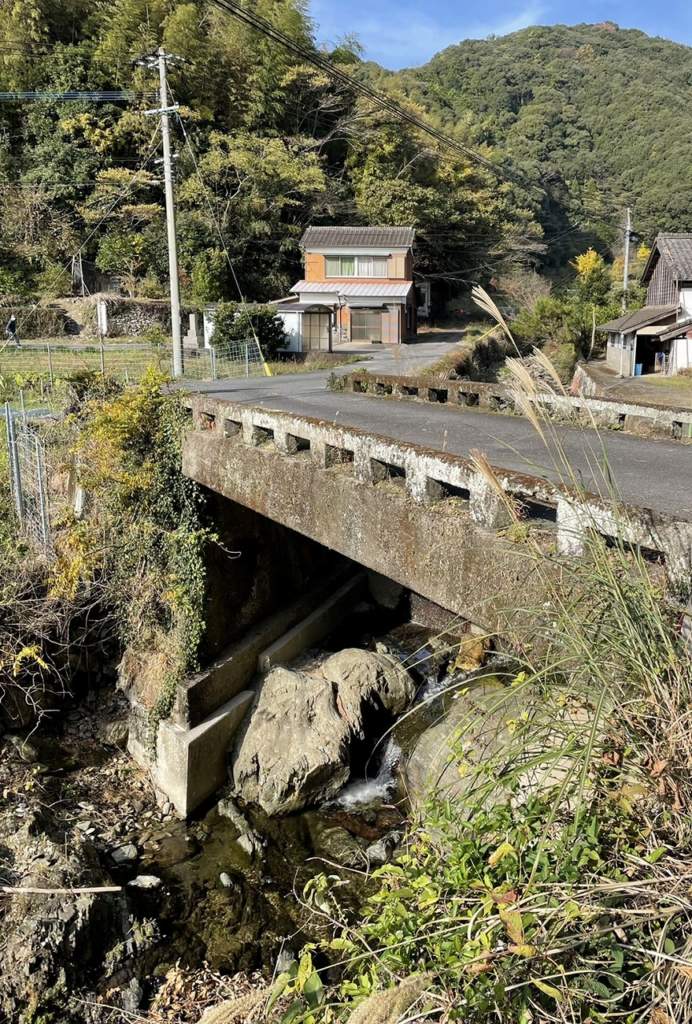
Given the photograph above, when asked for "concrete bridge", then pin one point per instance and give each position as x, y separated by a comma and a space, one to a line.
390, 487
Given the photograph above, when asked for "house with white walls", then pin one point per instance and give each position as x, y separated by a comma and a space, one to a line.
357, 287
658, 337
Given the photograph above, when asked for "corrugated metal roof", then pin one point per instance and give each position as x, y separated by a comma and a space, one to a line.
377, 237
639, 318
677, 329
385, 290
302, 307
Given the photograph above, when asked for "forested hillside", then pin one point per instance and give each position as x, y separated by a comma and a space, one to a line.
600, 116
275, 145
581, 121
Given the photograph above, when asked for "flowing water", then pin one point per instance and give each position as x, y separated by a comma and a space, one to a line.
236, 902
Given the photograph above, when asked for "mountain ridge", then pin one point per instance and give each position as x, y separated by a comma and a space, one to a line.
559, 102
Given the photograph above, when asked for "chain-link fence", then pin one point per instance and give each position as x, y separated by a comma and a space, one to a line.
28, 479
34, 378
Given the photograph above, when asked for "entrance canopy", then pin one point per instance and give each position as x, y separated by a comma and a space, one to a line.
343, 291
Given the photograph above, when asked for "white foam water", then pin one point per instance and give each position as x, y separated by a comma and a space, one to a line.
379, 789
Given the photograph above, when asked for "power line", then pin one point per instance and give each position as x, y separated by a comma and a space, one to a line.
383, 101
260, 24
71, 96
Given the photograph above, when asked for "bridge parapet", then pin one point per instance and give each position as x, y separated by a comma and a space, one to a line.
613, 414
428, 477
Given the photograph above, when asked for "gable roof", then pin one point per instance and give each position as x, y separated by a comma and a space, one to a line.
639, 318
379, 237
676, 249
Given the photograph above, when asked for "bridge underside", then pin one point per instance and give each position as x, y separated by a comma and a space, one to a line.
435, 550
435, 523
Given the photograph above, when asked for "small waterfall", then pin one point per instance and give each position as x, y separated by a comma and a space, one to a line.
379, 788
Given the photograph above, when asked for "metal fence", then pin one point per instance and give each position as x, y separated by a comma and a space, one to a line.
40, 370
227, 360
28, 479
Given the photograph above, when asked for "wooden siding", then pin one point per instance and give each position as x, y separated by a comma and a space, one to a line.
314, 266
663, 288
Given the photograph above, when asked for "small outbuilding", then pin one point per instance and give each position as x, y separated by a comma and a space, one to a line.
658, 337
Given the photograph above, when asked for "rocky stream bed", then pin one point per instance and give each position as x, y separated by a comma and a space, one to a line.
204, 910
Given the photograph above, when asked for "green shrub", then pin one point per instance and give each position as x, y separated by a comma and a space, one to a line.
235, 322
54, 281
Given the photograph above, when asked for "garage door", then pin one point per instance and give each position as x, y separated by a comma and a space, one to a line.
366, 325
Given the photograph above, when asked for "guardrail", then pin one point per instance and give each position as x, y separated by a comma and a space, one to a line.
612, 414
430, 476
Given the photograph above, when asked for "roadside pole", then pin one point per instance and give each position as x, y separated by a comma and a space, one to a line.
160, 61
626, 270
625, 283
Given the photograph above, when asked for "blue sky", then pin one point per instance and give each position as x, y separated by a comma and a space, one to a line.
401, 33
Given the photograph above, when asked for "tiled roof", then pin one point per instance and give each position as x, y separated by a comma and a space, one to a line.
384, 290
379, 237
676, 250
639, 318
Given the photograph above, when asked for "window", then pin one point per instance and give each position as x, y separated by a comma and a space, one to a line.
357, 266
372, 266
341, 266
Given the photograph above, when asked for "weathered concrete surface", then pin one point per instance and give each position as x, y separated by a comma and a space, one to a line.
437, 551
315, 627
654, 474
191, 763
201, 694
231, 432
589, 410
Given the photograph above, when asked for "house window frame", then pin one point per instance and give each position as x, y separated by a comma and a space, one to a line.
363, 266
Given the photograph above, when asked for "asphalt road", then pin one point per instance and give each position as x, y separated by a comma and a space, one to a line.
652, 474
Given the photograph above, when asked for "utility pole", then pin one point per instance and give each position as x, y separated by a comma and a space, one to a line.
626, 271
625, 282
161, 60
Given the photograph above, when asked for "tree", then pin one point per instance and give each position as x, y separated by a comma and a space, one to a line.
121, 254
236, 323
593, 280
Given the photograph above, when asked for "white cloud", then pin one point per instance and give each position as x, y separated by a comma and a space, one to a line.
401, 35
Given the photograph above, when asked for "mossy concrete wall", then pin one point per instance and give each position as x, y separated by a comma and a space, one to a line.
437, 551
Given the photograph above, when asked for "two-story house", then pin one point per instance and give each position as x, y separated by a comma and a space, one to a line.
358, 287
658, 337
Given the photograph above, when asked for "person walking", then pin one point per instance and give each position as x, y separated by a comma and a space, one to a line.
11, 331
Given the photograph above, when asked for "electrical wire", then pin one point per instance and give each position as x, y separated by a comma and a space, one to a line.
382, 101
212, 212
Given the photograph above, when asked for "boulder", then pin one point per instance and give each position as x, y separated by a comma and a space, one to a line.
296, 748
485, 729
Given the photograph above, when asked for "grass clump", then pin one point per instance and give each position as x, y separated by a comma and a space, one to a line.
548, 875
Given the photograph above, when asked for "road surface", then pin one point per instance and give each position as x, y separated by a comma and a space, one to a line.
654, 474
